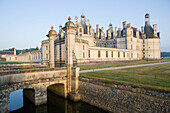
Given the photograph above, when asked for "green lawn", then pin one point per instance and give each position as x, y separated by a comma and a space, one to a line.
4, 62
155, 77
118, 64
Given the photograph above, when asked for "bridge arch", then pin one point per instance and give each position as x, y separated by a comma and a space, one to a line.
58, 88
16, 97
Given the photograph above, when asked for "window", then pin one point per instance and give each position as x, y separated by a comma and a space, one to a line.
106, 54
127, 54
112, 53
15, 58
80, 29
46, 56
46, 47
83, 55
80, 34
131, 55
89, 53
83, 47
118, 54
123, 54
138, 55
131, 47
99, 54
131, 39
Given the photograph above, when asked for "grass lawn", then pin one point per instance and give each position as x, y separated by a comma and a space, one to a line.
118, 64
4, 62
155, 77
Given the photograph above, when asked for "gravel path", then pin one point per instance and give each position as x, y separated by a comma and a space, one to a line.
122, 67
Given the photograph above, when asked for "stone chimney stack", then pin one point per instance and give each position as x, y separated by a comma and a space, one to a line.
142, 30
14, 51
129, 25
115, 33
76, 18
155, 29
124, 24
119, 32
97, 31
88, 22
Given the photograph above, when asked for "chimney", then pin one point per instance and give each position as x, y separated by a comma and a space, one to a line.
119, 32
76, 18
155, 30
14, 51
124, 24
142, 30
129, 25
88, 22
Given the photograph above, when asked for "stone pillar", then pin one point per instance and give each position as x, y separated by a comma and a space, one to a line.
70, 31
52, 34
74, 95
155, 30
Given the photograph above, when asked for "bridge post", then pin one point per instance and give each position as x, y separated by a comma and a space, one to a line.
70, 33
52, 34
74, 95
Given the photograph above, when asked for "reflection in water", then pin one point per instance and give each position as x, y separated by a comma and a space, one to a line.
57, 104
16, 99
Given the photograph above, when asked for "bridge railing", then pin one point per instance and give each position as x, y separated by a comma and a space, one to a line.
29, 70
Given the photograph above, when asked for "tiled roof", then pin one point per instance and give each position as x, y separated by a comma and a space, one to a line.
6, 52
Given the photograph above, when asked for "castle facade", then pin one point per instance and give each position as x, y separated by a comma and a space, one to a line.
90, 45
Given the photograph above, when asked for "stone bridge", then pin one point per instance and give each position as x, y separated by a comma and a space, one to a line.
34, 83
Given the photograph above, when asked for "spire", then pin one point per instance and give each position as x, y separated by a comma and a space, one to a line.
51, 27
69, 18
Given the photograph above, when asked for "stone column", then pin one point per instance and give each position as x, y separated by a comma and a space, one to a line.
52, 34
70, 32
74, 95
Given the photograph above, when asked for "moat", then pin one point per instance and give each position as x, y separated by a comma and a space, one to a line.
55, 104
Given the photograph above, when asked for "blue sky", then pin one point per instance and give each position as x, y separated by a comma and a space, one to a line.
25, 23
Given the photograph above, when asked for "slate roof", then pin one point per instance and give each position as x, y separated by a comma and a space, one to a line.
6, 52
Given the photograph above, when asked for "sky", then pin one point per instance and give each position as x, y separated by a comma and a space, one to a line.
25, 23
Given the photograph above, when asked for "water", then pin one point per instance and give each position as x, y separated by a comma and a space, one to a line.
55, 104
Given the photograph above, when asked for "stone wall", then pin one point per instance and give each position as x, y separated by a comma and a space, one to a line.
37, 82
120, 98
